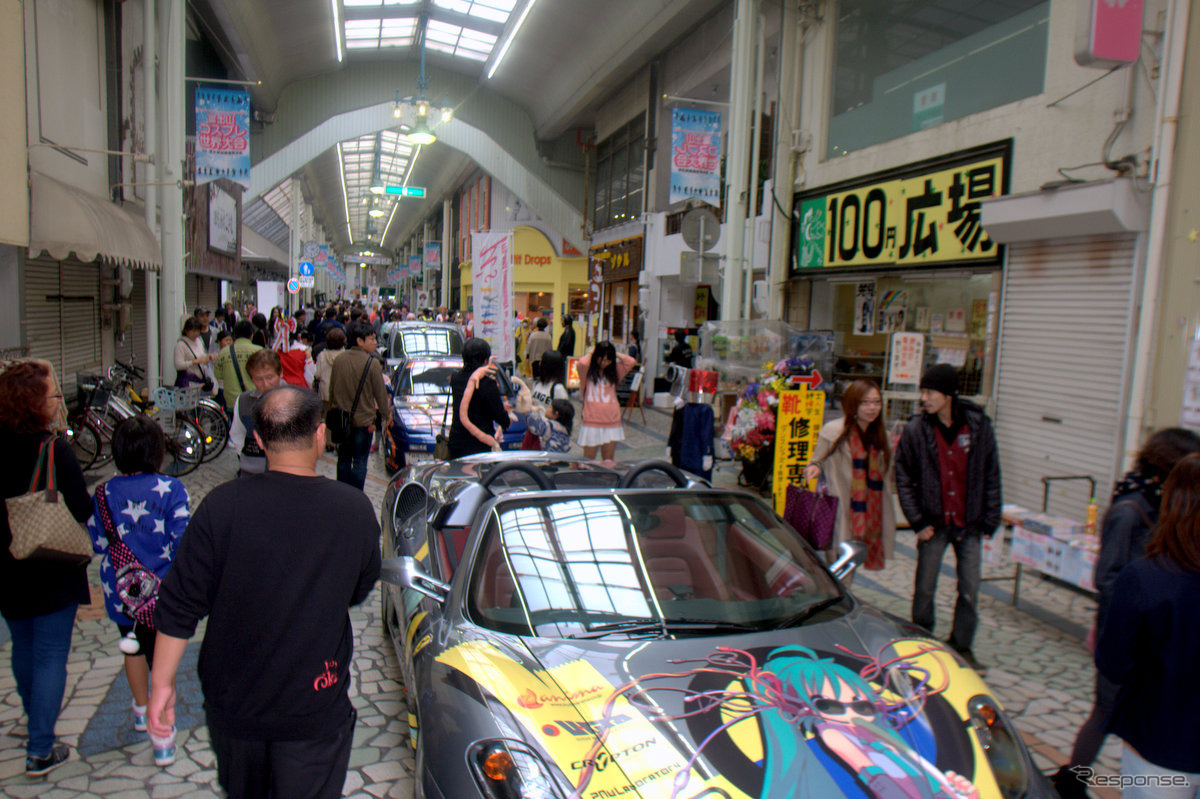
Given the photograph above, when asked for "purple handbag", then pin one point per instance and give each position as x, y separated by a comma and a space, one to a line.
812, 513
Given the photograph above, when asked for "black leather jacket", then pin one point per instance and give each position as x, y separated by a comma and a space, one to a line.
918, 476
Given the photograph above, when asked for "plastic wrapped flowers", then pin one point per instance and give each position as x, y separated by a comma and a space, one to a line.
753, 427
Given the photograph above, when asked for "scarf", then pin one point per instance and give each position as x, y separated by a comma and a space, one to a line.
866, 499
1135, 482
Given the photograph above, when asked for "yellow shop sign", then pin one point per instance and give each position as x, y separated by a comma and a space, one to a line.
926, 218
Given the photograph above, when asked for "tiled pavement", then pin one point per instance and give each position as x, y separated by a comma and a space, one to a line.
1039, 669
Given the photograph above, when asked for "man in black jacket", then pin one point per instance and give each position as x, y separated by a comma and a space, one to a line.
948, 482
274, 560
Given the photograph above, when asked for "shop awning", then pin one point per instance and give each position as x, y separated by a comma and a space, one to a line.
64, 219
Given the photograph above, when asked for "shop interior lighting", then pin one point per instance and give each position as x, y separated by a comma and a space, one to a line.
508, 40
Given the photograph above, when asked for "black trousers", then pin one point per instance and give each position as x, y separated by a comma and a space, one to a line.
284, 769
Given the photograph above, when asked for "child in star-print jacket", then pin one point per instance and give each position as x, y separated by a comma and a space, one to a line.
150, 512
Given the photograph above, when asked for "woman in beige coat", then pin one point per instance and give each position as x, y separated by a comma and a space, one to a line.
855, 458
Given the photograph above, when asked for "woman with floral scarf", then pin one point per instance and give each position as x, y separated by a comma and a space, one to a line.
854, 456
1124, 533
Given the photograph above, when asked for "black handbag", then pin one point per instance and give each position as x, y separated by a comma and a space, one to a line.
339, 421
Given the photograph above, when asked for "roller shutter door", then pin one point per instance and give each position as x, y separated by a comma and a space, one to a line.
1064, 356
62, 314
202, 291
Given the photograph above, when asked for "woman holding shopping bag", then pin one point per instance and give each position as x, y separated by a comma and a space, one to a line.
854, 457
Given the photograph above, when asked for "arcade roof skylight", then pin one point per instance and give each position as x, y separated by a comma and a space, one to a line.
376, 159
466, 28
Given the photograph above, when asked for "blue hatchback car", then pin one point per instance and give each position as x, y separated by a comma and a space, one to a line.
421, 409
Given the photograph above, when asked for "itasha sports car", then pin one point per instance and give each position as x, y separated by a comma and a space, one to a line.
567, 628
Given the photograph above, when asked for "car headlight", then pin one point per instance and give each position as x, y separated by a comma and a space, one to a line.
1000, 744
507, 770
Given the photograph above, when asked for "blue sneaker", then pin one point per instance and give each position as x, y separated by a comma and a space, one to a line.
164, 755
139, 720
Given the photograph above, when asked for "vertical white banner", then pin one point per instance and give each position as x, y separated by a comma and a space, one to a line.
492, 292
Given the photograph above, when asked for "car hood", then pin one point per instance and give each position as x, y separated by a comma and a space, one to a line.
736, 715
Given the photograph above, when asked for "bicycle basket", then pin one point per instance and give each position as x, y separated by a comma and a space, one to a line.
167, 398
91, 390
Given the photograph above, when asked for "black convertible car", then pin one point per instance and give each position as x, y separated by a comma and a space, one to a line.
567, 629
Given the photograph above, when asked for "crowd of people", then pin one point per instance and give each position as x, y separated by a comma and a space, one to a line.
943, 467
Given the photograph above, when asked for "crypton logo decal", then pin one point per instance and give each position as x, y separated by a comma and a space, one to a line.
603, 759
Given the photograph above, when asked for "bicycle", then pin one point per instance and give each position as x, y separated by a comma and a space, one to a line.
91, 428
207, 414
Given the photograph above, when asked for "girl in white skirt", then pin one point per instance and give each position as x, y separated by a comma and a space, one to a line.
600, 373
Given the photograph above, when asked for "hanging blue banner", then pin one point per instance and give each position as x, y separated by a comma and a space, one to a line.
433, 255
696, 155
414, 266
223, 135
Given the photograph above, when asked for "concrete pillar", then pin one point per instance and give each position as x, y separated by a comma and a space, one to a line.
426, 283
171, 170
737, 171
150, 191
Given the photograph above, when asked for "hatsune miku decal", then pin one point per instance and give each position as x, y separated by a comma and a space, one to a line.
792, 723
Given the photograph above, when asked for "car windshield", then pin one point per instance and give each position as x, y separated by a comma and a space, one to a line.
643, 563
428, 379
412, 342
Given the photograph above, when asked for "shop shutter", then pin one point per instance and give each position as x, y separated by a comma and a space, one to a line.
191, 292
41, 312
1064, 349
209, 293
80, 309
62, 317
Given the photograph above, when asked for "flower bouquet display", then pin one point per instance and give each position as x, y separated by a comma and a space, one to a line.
752, 435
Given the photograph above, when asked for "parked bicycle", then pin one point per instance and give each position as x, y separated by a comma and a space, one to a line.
90, 429
207, 414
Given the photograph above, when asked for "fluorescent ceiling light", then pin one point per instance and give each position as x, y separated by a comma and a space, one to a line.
376, 212
508, 40
345, 196
337, 30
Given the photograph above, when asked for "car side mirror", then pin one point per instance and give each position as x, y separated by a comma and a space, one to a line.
851, 555
406, 573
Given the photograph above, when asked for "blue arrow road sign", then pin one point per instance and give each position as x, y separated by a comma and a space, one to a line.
306, 269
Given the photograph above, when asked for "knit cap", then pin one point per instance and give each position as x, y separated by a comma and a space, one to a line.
941, 377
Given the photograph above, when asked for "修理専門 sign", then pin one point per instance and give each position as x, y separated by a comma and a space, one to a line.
929, 216
800, 416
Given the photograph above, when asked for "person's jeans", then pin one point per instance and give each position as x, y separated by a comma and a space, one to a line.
352, 457
1141, 779
39, 662
968, 552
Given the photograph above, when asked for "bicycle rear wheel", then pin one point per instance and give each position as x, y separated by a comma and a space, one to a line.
185, 448
215, 427
85, 441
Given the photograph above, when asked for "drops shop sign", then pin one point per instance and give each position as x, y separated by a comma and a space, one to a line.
932, 216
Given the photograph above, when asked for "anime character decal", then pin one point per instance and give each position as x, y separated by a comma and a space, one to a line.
779, 723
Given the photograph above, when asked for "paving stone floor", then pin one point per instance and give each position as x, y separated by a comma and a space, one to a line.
1039, 669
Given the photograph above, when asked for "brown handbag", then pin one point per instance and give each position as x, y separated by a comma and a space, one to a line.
42, 526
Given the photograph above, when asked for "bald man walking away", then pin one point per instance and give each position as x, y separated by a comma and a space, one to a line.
275, 561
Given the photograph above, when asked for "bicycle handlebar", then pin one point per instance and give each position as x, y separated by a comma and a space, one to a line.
130, 368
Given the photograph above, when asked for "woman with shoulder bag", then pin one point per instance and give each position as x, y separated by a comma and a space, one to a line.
854, 456
191, 357
38, 597
152, 510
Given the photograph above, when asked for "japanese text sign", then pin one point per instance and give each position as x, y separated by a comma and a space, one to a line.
414, 266
223, 135
696, 155
797, 425
908, 354
928, 218
492, 292
433, 255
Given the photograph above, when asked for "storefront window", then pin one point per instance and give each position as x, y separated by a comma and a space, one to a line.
620, 175
953, 315
904, 67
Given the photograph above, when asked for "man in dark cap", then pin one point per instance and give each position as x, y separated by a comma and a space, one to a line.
948, 482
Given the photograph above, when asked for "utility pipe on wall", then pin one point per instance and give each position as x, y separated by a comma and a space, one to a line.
150, 191
447, 214
785, 159
755, 139
172, 45
1161, 164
